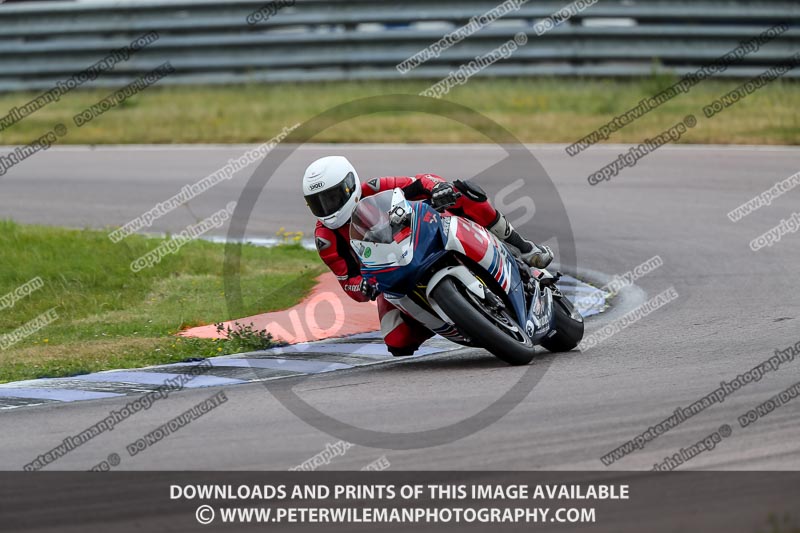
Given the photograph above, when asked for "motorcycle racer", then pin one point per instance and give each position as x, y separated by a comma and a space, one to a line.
331, 187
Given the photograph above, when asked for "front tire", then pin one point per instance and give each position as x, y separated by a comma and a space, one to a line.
568, 331
475, 322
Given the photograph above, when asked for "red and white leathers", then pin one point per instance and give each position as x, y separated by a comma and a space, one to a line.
401, 333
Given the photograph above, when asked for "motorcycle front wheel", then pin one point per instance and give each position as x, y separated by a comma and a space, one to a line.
491, 327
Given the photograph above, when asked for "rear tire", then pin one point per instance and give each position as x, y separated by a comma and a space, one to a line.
568, 331
474, 323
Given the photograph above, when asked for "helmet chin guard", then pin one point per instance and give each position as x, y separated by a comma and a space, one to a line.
331, 188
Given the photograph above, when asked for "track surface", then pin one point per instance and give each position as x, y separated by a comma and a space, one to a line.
735, 308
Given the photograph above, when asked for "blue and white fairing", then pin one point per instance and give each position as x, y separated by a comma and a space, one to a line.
395, 264
472, 240
398, 241
395, 253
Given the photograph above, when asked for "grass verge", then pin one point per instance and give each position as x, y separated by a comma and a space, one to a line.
110, 317
536, 110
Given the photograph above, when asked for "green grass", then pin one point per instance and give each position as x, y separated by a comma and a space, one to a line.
535, 110
110, 317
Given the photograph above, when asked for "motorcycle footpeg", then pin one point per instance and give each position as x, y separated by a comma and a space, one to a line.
545, 281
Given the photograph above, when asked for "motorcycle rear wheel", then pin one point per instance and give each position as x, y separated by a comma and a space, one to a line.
568, 331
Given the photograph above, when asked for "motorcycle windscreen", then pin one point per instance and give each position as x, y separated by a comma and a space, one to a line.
378, 241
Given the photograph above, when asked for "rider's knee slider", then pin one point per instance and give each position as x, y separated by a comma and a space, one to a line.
402, 352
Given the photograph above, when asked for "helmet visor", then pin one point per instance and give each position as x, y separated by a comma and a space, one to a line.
327, 202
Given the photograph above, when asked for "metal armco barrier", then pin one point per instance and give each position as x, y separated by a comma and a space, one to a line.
212, 42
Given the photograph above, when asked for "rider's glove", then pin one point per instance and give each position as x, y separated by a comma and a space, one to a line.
443, 195
368, 289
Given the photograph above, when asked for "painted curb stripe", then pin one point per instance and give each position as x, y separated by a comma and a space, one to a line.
61, 395
13, 403
588, 300
155, 378
366, 350
304, 367
363, 349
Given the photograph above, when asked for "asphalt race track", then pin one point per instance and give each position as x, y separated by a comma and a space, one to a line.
735, 308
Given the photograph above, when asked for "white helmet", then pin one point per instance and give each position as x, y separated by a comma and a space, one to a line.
331, 188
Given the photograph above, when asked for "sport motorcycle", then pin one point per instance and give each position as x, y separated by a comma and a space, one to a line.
459, 280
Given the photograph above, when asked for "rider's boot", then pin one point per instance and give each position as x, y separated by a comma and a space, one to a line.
535, 256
